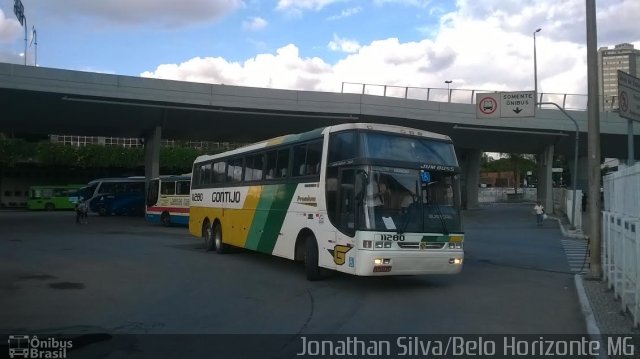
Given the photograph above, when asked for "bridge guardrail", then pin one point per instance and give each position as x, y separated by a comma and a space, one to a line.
576, 102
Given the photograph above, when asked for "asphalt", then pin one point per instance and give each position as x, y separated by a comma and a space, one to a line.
602, 310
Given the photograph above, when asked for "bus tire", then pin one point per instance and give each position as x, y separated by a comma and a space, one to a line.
207, 236
311, 259
221, 247
165, 219
49, 207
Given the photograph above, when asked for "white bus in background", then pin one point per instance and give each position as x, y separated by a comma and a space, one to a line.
364, 199
168, 200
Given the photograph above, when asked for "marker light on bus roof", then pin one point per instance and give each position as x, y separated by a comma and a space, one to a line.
367, 244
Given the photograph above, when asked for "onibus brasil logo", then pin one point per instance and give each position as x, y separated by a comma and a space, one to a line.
25, 346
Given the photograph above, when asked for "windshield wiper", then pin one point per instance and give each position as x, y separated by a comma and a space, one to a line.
445, 230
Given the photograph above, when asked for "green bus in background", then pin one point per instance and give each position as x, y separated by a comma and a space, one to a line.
53, 197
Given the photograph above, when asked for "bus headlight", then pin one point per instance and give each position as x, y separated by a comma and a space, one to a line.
455, 260
377, 261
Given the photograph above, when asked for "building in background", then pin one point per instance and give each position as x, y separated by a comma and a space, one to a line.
622, 57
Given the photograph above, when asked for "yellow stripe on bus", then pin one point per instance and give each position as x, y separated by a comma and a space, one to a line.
235, 222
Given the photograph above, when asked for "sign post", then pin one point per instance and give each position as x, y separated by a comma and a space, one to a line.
18, 9
629, 106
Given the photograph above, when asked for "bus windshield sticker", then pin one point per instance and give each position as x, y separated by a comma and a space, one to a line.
425, 176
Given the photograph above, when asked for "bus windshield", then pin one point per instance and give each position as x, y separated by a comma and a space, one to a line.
409, 200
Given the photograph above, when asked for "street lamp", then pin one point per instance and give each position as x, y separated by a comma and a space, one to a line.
535, 65
448, 82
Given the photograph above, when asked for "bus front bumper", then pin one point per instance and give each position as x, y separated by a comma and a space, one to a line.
381, 263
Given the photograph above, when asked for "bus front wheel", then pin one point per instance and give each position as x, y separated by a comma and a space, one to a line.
311, 259
207, 236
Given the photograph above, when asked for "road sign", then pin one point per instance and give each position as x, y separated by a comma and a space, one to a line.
517, 104
629, 96
18, 9
487, 105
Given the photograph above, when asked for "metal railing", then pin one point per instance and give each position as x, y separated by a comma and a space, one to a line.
621, 237
576, 102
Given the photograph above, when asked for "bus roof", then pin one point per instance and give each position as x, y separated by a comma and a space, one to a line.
319, 132
184, 177
119, 179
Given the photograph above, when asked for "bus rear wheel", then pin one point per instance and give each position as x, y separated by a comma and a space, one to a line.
207, 236
311, 259
165, 219
49, 207
221, 248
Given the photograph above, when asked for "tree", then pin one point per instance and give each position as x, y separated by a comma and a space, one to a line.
518, 164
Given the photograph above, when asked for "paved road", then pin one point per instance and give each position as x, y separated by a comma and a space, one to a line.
122, 275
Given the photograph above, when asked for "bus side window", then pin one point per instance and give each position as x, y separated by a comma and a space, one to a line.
299, 158
219, 172
168, 188
314, 156
272, 158
283, 163
182, 188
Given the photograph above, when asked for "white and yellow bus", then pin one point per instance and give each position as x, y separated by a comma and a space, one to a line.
364, 199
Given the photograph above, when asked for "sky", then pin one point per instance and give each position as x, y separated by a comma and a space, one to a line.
318, 45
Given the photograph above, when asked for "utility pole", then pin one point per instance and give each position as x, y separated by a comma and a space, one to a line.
593, 112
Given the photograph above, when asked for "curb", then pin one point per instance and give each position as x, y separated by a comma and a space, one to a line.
566, 232
590, 320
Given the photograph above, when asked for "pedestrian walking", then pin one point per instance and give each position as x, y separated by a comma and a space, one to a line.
539, 211
82, 211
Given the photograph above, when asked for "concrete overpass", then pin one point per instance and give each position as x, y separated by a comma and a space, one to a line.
52, 101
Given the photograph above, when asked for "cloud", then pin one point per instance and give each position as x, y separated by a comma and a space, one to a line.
300, 5
166, 13
486, 45
345, 13
284, 69
10, 29
416, 3
344, 45
254, 23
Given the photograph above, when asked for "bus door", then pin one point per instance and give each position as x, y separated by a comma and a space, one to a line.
349, 189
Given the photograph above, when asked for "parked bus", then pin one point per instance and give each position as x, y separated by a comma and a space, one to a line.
52, 197
168, 200
364, 199
115, 196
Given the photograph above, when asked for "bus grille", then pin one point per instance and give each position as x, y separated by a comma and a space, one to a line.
420, 245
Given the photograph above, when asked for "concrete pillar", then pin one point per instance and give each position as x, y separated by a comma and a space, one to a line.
545, 182
152, 154
470, 167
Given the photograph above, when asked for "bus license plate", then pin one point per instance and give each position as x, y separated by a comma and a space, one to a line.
382, 269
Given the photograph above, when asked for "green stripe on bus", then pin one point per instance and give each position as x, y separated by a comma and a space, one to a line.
267, 196
275, 217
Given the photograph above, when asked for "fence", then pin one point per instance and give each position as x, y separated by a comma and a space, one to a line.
621, 237
505, 194
566, 101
